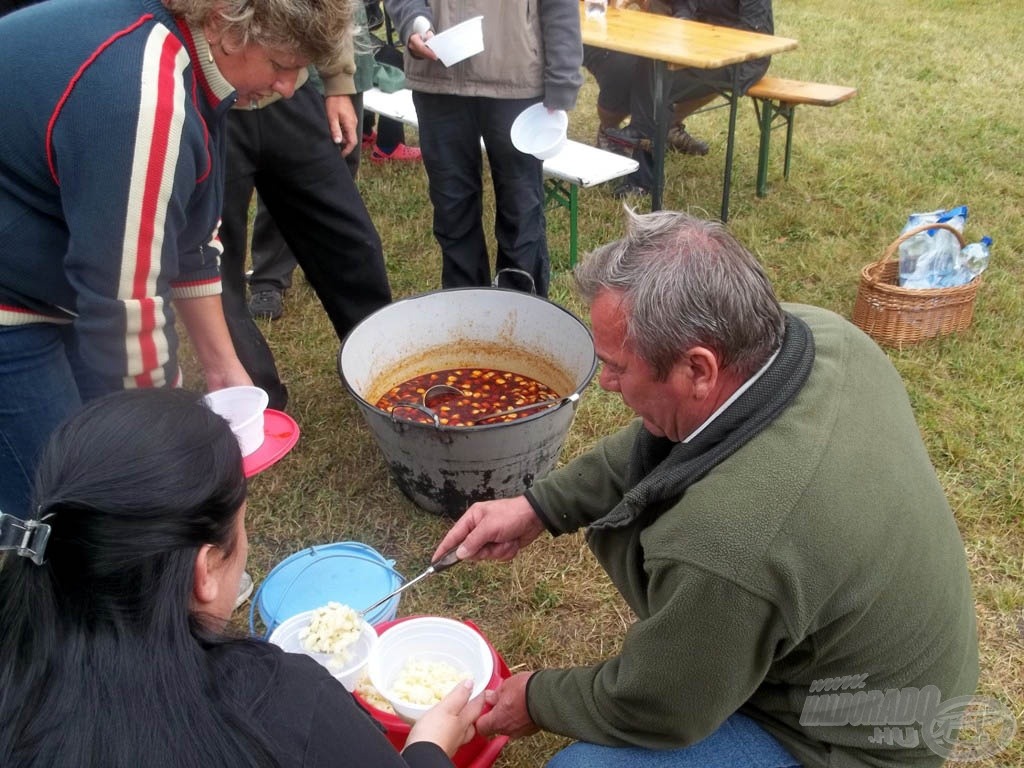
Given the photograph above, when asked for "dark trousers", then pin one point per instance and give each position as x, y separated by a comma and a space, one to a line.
681, 85
450, 131
272, 260
614, 73
286, 153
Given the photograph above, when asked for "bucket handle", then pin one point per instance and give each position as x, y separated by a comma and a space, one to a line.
497, 278
416, 406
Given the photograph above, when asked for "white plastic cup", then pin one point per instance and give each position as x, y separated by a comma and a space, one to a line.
430, 639
242, 408
538, 132
460, 42
348, 673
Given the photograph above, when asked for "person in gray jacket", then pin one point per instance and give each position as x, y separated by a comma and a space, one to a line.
532, 53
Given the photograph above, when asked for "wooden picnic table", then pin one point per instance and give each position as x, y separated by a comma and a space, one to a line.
677, 43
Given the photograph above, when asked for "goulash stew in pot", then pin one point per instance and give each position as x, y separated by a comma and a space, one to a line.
485, 393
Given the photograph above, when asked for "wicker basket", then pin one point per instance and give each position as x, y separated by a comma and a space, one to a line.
896, 316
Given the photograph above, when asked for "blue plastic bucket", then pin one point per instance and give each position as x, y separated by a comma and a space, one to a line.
347, 572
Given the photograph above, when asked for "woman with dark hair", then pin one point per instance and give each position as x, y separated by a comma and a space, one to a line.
113, 600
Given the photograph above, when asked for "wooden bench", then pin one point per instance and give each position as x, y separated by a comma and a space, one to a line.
577, 165
776, 99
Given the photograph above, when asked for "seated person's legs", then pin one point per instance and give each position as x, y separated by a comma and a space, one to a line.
614, 73
739, 742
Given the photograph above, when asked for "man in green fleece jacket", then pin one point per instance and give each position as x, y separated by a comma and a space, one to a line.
772, 518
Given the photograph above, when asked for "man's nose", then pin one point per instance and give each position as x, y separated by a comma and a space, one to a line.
608, 381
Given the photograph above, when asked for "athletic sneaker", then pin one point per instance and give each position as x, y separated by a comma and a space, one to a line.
244, 590
402, 153
266, 305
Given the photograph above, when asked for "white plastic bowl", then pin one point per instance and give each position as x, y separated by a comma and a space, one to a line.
430, 639
349, 673
460, 42
243, 409
539, 132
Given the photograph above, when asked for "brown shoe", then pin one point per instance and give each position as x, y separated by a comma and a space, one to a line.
681, 141
605, 142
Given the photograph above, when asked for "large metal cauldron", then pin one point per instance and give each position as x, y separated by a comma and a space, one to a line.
445, 469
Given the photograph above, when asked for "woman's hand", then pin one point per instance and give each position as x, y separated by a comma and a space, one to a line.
450, 723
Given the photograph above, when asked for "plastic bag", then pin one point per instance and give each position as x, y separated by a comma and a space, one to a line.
929, 256
387, 78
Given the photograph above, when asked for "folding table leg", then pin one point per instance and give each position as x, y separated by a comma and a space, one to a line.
734, 98
661, 111
573, 224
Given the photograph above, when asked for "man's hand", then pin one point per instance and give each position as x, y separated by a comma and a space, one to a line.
509, 714
417, 46
342, 123
493, 530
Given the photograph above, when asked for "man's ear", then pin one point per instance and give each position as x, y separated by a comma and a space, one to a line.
205, 586
701, 365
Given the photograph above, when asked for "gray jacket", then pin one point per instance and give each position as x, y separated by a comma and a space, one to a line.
532, 48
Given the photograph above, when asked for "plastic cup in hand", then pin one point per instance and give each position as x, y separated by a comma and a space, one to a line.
242, 408
460, 42
540, 132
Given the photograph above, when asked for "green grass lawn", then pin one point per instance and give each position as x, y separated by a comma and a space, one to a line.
936, 123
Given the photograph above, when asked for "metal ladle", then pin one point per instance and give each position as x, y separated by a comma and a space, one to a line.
439, 389
443, 563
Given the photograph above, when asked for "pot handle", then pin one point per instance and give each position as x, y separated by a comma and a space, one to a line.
497, 278
418, 407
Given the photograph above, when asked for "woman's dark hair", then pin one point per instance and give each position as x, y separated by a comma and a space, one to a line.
102, 663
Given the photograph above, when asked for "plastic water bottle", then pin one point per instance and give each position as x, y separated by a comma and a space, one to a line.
595, 9
970, 262
913, 255
974, 257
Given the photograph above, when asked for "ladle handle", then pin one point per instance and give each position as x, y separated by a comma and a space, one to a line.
543, 404
446, 561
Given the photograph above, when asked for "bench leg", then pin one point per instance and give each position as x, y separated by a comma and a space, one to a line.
566, 195
765, 114
790, 112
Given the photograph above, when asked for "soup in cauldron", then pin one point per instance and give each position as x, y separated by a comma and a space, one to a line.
485, 393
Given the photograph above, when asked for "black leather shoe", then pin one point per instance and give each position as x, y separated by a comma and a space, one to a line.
629, 137
629, 189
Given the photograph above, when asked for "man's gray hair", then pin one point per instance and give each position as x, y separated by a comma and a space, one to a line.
686, 282
313, 29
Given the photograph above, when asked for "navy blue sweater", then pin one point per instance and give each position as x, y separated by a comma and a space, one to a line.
111, 176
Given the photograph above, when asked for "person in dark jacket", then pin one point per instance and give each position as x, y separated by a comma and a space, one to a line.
114, 604
687, 89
